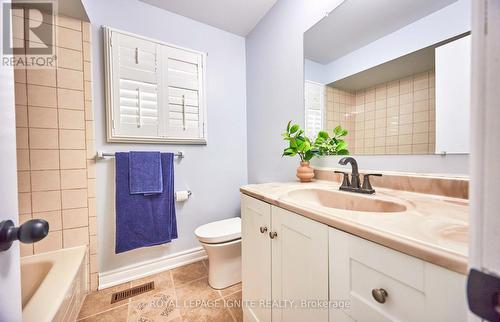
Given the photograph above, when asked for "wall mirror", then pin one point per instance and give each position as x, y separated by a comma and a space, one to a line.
398, 81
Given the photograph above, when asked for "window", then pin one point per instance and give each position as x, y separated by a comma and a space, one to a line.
154, 91
314, 98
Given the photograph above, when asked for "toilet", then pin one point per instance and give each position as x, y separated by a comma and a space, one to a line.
222, 242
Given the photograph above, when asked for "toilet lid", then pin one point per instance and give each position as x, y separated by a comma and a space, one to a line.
219, 231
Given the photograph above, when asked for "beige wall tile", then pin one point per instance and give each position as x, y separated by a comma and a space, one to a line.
93, 263
20, 92
19, 75
405, 139
23, 181
76, 237
87, 71
44, 159
43, 201
52, 242
71, 119
22, 138
87, 55
421, 116
70, 79
42, 117
421, 127
73, 159
404, 149
52, 217
88, 90
73, 218
89, 130
76, 198
44, 138
45, 180
70, 99
91, 149
42, 96
93, 225
68, 58
419, 95
69, 23
23, 160
73, 179
420, 138
25, 249
91, 169
91, 186
89, 112
93, 244
41, 76
420, 148
72, 139
21, 116
69, 38
92, 207
86, 28
24, 202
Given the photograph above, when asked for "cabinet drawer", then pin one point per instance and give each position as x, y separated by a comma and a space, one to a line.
359, 266
404, 302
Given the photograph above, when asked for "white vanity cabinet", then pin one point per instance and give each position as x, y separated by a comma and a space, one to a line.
285, 263
288, 258
411, 290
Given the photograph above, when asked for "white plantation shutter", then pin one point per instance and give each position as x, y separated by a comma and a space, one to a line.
314, 107
136, 86
154, 90
184, 86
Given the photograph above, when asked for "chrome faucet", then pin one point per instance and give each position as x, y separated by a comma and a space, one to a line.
354, 185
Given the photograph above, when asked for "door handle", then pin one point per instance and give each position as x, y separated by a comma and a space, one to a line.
483, 295
29, 232
273, 234
263, 229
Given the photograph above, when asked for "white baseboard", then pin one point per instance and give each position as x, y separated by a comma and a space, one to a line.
153, 266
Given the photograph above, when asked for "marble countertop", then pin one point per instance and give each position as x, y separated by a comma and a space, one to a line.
433, 228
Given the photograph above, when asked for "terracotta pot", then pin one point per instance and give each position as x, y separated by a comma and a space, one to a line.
305, 173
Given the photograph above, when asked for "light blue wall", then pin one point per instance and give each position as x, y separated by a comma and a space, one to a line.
214, 172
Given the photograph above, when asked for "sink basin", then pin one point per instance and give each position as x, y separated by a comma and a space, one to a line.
345, 201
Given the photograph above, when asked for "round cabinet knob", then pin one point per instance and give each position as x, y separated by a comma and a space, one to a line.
263, 229
379, 294
273, 234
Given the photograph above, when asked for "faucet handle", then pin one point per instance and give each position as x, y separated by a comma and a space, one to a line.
366, 182
345, 180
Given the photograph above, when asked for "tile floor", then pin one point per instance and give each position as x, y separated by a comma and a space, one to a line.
180, 294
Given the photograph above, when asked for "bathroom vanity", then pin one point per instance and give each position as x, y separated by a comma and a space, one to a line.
313, 253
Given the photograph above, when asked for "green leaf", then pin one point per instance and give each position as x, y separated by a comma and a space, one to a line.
294, 128
343, 152
323, 135
288, 126
342, 145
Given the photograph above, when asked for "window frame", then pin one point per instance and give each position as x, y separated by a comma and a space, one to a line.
110, 87
322, 104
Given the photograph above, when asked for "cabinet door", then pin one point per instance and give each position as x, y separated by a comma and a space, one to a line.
299, 267
256, 258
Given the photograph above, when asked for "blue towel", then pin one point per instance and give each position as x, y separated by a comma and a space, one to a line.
144, 220
145, 173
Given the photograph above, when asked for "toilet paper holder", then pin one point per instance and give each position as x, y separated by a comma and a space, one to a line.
189, 193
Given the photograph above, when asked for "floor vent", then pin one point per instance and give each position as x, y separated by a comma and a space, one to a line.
131, 292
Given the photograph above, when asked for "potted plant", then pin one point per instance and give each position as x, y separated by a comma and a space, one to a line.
324, 144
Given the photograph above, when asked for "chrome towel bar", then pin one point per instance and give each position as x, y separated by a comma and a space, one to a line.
103, 155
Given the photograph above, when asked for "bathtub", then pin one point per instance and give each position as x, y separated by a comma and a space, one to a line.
53, 285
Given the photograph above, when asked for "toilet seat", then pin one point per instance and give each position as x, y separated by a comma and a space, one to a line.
219, 231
